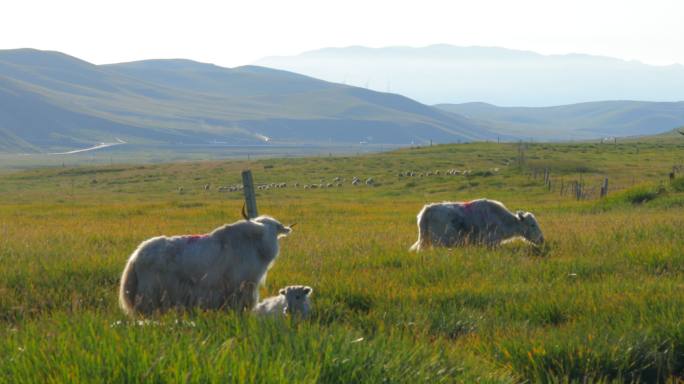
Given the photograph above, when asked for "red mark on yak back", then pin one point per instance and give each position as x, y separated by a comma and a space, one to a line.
193, 238
467, 205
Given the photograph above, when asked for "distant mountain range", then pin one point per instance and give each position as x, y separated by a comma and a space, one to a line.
452, 74
50, 101
576, 121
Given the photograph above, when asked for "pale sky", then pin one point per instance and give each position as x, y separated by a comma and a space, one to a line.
233, 33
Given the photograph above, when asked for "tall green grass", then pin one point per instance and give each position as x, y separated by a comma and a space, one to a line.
602, 301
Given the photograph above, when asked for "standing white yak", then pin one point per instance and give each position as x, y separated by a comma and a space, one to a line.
480, 221
222, 269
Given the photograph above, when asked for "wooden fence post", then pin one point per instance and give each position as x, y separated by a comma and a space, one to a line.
604, 188
250, 197
578, 189
547, 178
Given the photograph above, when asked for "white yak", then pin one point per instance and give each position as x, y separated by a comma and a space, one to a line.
480, 221
293, 300
222, 269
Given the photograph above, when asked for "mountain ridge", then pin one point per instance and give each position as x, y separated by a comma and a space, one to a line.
577, 121
441, 49
56, 106
508, 77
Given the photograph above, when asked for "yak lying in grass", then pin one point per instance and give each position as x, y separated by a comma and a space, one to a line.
222, 269
480, 221
293, 300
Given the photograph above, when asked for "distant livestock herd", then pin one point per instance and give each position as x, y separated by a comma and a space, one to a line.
338, 182
225, 268
334, 183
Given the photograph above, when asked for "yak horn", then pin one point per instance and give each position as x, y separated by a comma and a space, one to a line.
244, 214
292, 225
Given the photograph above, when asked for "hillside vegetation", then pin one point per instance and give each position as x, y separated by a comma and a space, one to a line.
601, 301
50, 101
577, 121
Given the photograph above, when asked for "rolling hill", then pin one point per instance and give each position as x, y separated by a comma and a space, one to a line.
454, 74
577, 121
50, 101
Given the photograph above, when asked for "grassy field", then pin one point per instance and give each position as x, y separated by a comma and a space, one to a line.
156, 154
602, 301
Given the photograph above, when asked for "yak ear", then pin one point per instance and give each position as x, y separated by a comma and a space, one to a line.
307, 290
521, 215
282, 292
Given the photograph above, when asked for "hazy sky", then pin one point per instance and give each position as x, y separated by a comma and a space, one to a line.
232, 33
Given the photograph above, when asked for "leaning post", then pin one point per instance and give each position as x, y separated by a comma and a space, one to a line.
250, 196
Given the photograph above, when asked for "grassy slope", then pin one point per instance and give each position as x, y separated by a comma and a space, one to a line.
576, 121
56, 102
665, 137
603, 300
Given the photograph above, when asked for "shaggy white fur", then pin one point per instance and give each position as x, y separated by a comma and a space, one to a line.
475, 222
293, 299
222, 269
